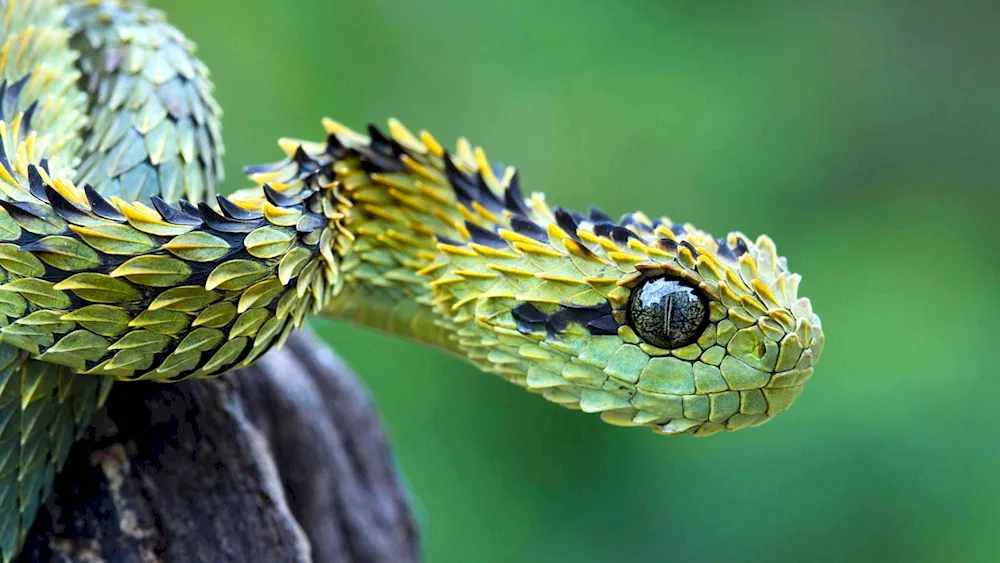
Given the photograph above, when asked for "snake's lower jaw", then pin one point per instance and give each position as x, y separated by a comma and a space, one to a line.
711, 411
783, 367
777, 398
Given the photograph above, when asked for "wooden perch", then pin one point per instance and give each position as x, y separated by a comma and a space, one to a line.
283, 461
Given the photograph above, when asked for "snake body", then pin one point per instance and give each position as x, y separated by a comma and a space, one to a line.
118, 261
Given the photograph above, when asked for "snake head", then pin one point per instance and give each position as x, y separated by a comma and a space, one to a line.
708, 334
647, 322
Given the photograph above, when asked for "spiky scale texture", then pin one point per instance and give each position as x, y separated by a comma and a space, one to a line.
44, 122
163, 292
43, 407
383, 229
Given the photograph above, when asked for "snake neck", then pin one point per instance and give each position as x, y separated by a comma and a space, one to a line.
398, 205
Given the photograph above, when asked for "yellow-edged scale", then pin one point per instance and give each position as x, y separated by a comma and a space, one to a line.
119, 262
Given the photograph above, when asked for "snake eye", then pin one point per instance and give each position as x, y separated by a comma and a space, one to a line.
667, 313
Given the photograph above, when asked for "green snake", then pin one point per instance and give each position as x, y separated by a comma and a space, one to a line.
119, 261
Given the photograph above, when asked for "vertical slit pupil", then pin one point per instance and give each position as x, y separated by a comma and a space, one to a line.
667, 312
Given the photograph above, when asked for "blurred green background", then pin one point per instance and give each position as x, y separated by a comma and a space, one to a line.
861, 136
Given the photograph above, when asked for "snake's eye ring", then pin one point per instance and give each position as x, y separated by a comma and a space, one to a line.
667, 312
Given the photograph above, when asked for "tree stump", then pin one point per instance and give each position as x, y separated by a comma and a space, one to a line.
282, 461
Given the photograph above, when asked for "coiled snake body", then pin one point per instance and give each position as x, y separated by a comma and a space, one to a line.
119, 262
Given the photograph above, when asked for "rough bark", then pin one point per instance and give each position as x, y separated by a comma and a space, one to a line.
283, 461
